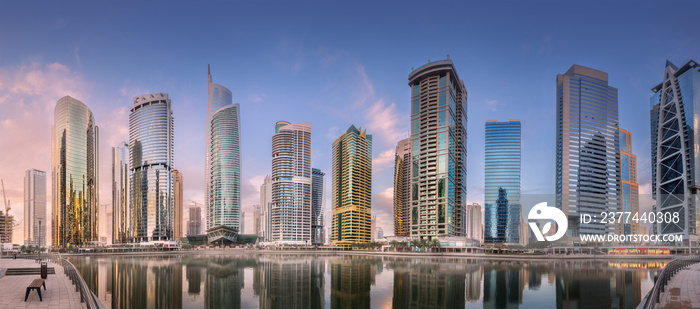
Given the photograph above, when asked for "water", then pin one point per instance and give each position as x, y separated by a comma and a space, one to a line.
254, 280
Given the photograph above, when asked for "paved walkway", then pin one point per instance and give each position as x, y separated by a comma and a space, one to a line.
683, 291
60, 292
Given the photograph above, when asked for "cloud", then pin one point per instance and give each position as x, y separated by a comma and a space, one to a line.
383, 208
492, 105
256, 97
383, 160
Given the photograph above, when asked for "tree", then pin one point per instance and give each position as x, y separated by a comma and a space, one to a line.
434, 243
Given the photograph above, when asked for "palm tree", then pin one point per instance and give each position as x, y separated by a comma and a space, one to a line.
434, 243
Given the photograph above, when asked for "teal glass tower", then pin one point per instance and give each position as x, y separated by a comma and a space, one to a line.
502, 181
222, 163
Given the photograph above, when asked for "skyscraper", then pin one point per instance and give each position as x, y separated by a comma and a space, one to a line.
223, 160
675, 160
588, 163
439, 150
194, 225
151, 156
266, 205
74, 174
352, 187
317, 210
502, 181
628, 183
121, 211
177, 205
257, 216
402, 188
35, 208
474, 227
291, 182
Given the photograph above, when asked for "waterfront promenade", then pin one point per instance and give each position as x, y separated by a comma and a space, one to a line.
59, 293
683, 291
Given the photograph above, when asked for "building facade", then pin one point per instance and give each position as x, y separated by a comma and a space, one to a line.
352, 188
402, 188
121, 211
474, 225
291, 182
317, 206
74, 175
194, 224
266, 205
587, 149
439, 151
675, 160
223, 160
35, 208
178, 206
151, 168
502, 177
628, 184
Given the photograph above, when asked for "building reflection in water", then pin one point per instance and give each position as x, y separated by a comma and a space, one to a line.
194, 273
425, 284
224, 281
503, 284
284, 281
351, 280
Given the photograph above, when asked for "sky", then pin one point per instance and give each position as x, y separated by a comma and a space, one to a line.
333, 64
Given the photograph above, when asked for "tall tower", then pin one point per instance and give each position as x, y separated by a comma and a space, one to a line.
151, 168
439, 151
266, 205
352, 187
502, 181
177, 205
121, 211
675, 160
402, 188
317, 210
74, 174
223, 159
628, 183
35, 208
588, 148
291, 182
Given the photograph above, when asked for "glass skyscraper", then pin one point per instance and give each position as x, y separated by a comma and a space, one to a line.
178, 206
317, 210
628, 184
74, 174
352, 187
35, 208
588, 149
402, 188
502, 182
675, 136
439, 151
121, 212
291, 182
151, 168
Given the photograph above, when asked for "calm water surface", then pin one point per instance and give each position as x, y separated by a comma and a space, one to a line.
252, 280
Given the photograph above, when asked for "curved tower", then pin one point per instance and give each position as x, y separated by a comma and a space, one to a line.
223, 159
74, 174
151, 156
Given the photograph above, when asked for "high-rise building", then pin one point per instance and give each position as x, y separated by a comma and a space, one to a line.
628, 184
588, 163
257, 224
352, 187
291, 182
74, 174
266, 205
242, 231
151, 168
502, 181
474, 226
373, 228
317, 209
194, 225
6, 228
380, 233
675, 160
121, 211
223, 162
178, 206
35, 208
402, 188
439, 151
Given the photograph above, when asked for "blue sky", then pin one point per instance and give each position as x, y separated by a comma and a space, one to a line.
329, 63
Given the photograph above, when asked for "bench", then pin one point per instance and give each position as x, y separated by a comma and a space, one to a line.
35, 285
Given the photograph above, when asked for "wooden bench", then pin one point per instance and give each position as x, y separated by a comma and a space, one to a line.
35, 285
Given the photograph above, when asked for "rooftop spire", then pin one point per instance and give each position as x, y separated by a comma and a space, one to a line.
209, 71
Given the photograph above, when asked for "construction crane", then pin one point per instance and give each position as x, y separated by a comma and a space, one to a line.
7, 217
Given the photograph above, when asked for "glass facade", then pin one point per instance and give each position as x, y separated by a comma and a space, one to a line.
291, 182
317, 210
675, 135
223, 159
628, 183
74, 174
151, 167
502, 182
121, 212
402, 185
352, 188
439, 155
35, 208
587, 157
